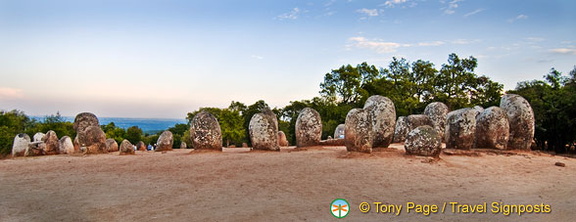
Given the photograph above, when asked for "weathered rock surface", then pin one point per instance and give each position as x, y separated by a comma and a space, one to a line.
383, 116
423, 141
66, 145
263, 131
93, 139
521, 119
85, 120
417, 120
308, 128
52, 143
141, 146
437, 112
401, 130
358, 132
126, 148
35, 149
339, 131
165, 141
20, 144
38, 137
492, 128
282, 141
183, 145
111, 145
205, 131
460, 129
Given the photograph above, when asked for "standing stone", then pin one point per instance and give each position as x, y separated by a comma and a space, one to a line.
126, 148
66, 145
383, 116
93, 140
423, 141
437, 112
282, 141
358, 132
183, 145
401, 130
492, 129
339, 131
141, 146
205, 131
263, 130
460, 129
20, 144
417, 120
165, 141
521, 119
52, 143
35, 149
308, 128
85, 120
38, 137
111, 145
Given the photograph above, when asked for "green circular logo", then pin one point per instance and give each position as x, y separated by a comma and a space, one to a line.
339, 208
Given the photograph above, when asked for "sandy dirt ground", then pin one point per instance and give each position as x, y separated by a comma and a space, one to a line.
291, 185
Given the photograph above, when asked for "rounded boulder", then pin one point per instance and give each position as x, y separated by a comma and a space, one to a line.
437, 112
400, 130
126, 148
165, 141
282, 141
423, 141
521, 120
492, 128
339, 131
308, 128
383, 116
263, 130
93, 140
358, 132
66, 145
460, 129
111, 145
205, 131
52, 143
20, 144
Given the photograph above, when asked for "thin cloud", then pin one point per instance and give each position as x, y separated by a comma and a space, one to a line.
290, 15
10, 93
257, 57
519, 17
474, 12
464, 41
383, 47
368, 12
452, 6
391, 3
564, 51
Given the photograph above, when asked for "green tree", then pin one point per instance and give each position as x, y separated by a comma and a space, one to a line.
345, 85
134, 134
12, 123
231, 121
114, 132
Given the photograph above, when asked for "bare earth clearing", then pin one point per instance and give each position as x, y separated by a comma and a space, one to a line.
288, 186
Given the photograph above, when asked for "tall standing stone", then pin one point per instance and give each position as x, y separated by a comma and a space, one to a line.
263, 130
205, 131
20, 144
93, 139
85, 120
111, 145
165, 141
38, 137
141, 146
308, 128
492, 128
521, 119
282, 140
52, 143
417, 120
401, 130
339, 131
358, 132
460, 129
383, 116
437, 112
66, 145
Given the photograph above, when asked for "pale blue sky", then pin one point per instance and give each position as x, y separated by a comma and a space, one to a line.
166, 58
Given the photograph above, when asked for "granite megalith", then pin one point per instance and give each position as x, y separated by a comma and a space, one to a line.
282, 141
308, 128
52, 144
423, 141
111, 145
437, 112
92, 140
460, 128
205, 131
358, 132
263, 130
521, 120
66, 145
383, 116
126, 148
339, 131
165, 141
492, 129
401, 130
20, 144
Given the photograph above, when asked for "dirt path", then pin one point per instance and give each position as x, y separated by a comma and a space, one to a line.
284, 186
